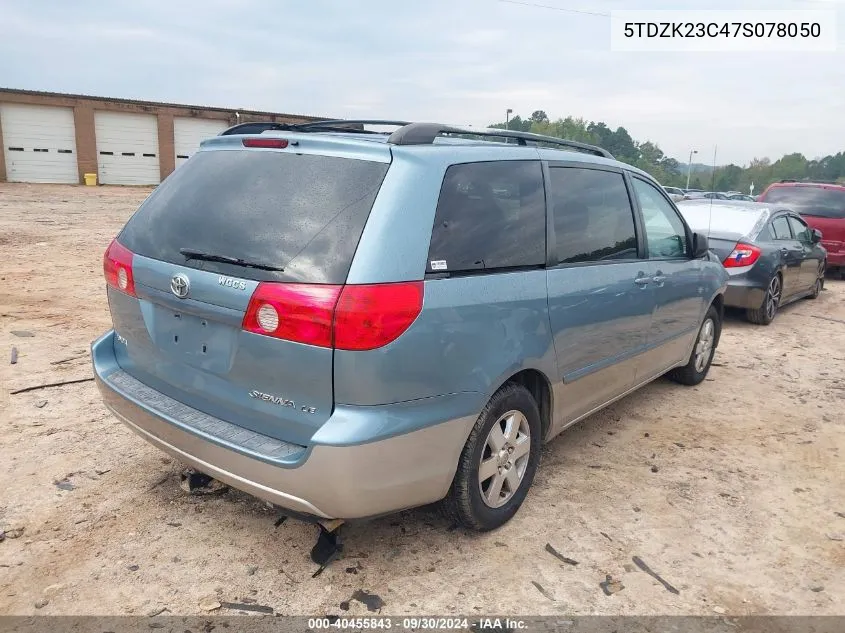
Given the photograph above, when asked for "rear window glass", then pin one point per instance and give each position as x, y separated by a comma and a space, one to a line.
304, 213
594, 220
489, 216
818, 201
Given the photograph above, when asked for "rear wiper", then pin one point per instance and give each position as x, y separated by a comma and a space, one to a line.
235, 261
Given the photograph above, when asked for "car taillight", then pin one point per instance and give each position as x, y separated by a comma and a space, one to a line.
295, 312
356, 318
269, 143
117, 268
742, 255
371, 316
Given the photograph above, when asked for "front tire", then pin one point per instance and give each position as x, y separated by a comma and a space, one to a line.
702, 352
498, 463
765, 314
819, 285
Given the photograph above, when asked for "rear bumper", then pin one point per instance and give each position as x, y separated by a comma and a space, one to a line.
328, 481
743, 293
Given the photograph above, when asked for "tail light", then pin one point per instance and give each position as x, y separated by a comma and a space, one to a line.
117, 268
357, 318
269, 143
296, 312
742, 255
372, 316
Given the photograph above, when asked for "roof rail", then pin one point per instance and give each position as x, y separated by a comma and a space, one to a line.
425, 133
357, 123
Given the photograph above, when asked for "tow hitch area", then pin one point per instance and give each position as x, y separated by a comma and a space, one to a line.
328, 546
197, 483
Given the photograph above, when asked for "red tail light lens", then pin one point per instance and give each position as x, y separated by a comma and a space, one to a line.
294, 312
271, 143
117, 268
347, 317
371, 316
742, 255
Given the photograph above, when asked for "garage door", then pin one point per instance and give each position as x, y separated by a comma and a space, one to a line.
188, 133
39, 143
127, 148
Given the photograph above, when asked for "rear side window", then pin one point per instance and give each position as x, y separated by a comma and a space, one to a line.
817, 201
780, 228
490, 216
304, 213
593, 217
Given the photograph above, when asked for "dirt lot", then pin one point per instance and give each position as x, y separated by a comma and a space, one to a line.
734, 491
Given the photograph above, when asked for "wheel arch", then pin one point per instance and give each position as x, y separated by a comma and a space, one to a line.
540, 388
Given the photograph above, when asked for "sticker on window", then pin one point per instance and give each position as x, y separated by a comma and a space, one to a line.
438, 264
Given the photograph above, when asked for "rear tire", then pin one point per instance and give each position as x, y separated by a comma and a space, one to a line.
767, 311
702, 352
488, 500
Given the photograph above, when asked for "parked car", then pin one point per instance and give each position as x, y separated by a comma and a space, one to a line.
695, 195
772, 255
674, 191
822, 206
742, 197
348, 324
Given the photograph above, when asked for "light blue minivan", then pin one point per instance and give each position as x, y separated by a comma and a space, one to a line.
348, 322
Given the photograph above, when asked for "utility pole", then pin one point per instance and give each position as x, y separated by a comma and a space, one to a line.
689, 166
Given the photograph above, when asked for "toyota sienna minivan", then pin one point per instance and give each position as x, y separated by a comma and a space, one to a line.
347, 323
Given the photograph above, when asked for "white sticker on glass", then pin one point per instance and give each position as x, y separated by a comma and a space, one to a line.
439, 264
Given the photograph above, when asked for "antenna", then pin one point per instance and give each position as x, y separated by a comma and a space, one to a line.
712, 189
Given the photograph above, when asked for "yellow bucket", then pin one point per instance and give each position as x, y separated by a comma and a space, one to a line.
90, 180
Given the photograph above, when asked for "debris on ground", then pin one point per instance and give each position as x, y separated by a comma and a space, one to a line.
14, 355
156, 611
247, 606
605, 535
542, 590
719, 610
196, 483
641, 564
64, 484
40, 404
280, 520
12, 533
209, 603
610, 586
654, 469
22, 333
327, 548
132, 567
51, 384
551, 550
41, 603
836, 536
250, 571
817, 589
70, 358
372, 601
354, 569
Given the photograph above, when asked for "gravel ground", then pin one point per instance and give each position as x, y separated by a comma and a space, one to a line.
733, 491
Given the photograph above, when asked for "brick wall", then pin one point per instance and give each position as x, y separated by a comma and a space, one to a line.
83, 116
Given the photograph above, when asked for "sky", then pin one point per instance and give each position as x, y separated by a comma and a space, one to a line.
453, 61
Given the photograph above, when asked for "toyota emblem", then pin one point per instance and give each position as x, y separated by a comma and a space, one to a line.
180, 285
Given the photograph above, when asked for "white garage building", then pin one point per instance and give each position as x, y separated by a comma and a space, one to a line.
57, 138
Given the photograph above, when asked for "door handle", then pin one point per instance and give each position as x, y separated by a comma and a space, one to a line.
784, 250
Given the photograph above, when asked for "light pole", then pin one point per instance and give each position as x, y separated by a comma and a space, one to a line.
507, 118
689, 166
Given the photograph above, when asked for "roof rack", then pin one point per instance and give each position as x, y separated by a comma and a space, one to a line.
425, 133
413, 133
328, 125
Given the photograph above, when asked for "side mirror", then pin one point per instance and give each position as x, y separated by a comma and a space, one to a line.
816, 236
700, 245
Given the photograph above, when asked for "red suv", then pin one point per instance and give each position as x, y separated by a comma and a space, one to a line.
822, 206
